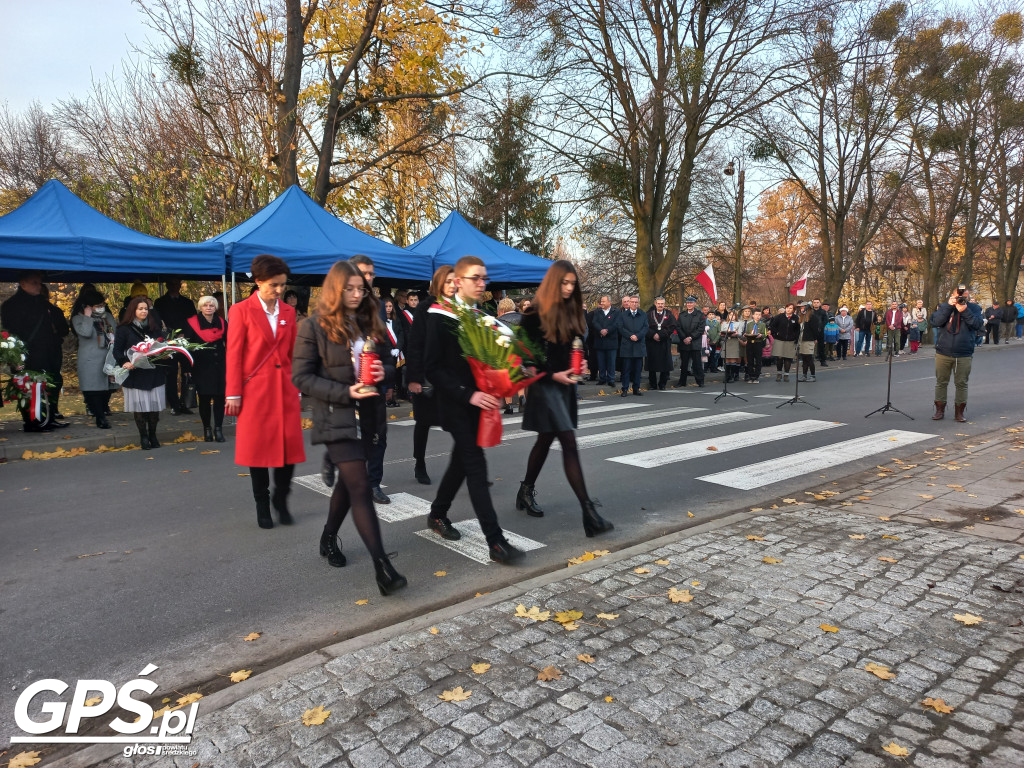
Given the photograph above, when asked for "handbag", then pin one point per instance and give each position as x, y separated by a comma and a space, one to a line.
191, 397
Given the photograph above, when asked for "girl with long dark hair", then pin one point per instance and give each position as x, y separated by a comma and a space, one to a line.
144, 388
326, 370
810, 326
552, 322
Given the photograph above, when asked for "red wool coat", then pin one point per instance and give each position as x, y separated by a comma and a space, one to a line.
269, 432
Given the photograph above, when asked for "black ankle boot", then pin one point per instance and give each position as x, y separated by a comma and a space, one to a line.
143, 427
593, 523
526, 501
331, 549
218, 435
263, 510
388, 579
207, 435
421, 473
153, 418
280, 502
101, 422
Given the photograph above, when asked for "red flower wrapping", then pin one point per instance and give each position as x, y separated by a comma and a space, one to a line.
494, 382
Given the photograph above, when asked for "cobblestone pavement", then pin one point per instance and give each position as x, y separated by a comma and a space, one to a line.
747, 673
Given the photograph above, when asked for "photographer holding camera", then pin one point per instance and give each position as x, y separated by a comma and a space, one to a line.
956, 323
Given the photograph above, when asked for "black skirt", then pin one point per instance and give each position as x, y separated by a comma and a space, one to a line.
550, 407
341, 451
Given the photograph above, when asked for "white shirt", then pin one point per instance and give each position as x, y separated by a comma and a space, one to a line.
272, 316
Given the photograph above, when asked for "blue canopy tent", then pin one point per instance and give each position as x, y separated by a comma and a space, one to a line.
56, 232
294, 228
455, 237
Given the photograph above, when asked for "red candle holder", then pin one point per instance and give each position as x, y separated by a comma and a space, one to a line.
367, 358
576, 360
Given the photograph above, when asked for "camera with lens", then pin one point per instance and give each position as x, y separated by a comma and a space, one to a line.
960, 291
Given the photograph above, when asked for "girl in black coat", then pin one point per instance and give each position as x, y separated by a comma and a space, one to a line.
552, 322
785, 331
325, 369
144, 388
810, 328
209, 367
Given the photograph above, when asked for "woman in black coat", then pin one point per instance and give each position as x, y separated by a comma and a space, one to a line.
552, 323
810, 328
325, 370
209, 367
785, 331
424, 405
144, 388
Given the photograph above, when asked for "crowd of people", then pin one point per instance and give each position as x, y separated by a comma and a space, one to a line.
259, 362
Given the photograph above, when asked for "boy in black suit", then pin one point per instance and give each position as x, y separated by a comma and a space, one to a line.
459, 404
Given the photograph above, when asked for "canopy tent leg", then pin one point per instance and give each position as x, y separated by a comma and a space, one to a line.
224, 293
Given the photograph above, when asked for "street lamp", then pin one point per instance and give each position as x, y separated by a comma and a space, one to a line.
729, 170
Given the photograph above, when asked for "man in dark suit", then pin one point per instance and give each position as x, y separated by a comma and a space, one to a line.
690, 329
605, 337
175, 310
661, 324
632, 345
459, 404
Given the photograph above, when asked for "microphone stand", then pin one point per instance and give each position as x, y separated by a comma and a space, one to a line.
796, 392
888, 396
725, 386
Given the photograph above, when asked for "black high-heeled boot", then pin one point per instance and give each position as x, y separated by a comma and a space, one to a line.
263, 509
218, 435
280, 502
593, 523
153, 418
207, 435
527, 501
141, 423
388, 579
330, 548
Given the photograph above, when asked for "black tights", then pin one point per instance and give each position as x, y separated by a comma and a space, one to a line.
808, 361
419, 439
570, 461
260, 477
352, 489
780, 361
214, 403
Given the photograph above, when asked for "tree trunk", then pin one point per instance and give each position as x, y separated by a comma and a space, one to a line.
288, 95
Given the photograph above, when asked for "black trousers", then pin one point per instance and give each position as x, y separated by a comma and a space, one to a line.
177, 381
468, 463
690, 358
754, 358
657, 379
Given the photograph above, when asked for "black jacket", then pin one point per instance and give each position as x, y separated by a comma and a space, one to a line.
323, 371
955, 331
174, 311
415, 339
209, 369
450, 374
138, 378
610, 322
812, 327
865, 320
40, 325
1009, 313
785, 328
691, 325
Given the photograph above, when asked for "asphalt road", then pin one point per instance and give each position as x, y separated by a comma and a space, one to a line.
110, 562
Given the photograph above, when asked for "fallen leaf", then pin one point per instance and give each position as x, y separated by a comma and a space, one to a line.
534, 614
455, 694
640, 570
252, 636
712, 448
895, 749
433, 630
679, 595
925, 496
789, 501
566, 617
439, 574
938, 705
757, 509
752, 537
661, 562
828, 628
694, 583
208, 452
887, 536
549, 673
586, 658
570, 626
240, 675
690, 514
190, 698
610, 616
92, 702
936, 520
885, 519
609, 699
857, 536
879, 670
770, 560
24, 759
480, 667
185, 471
888, 560
364, 601
315, 716
968, 619
243, 474
600, 552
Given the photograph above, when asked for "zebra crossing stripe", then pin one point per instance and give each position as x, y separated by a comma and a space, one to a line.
654, 430
314, 483
671, 454
403, 506
776, 397
473, 544
785, 467
607, 420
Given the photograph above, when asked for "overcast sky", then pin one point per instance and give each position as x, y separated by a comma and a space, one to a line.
55, 49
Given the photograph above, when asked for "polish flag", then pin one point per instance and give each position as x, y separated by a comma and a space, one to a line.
799, 288
707, 281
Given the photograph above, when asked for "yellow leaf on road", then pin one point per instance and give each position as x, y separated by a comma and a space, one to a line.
661, 562
757, 509
439, 574
433, 630
240, 675
712, 448
609, 699
690, 514
694, 583
610, 616
566, 617
857, 536
641, 570
315, 716
770, 560
887, 536
534, 614
570, 626
190, 698
938, 705
679, 595
207, 453
885, 519
879, 670
481, 667
586, 658
24, 760
925, 496
92, 702
888, 560
549, 673
752, 537
895, 749
455, 694
828, 628
364, 601
789, 501
968, 619
252, 636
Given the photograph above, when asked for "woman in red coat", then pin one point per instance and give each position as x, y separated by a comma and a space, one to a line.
259, 391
